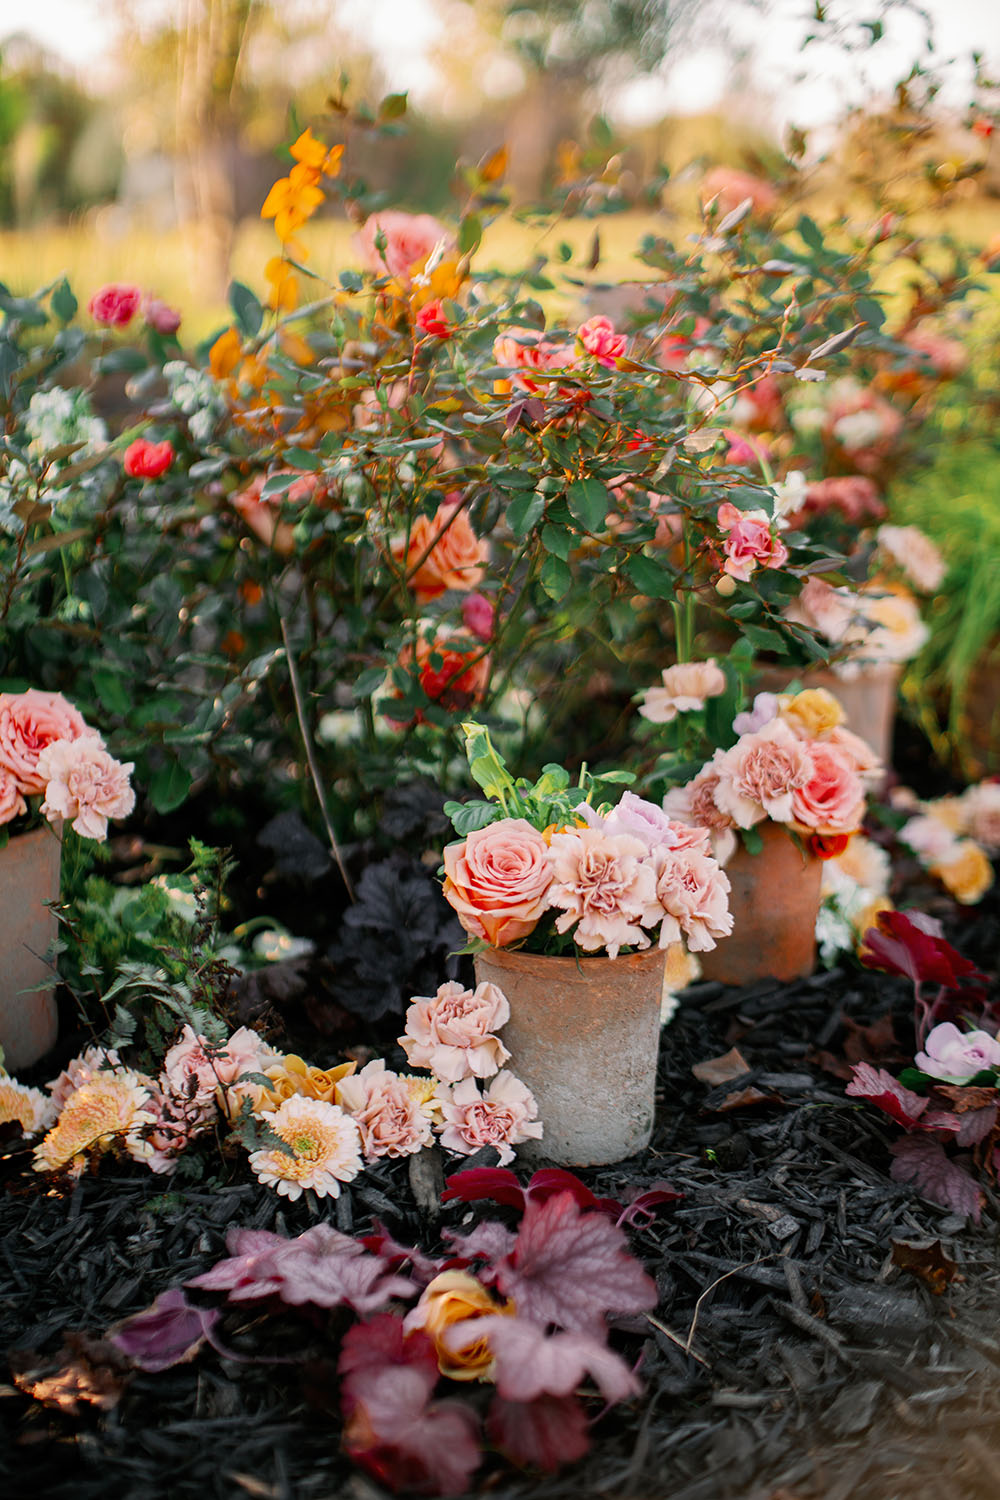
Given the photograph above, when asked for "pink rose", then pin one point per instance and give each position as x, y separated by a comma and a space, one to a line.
115, 306
85, 783
504, 1117
749, 541
599, 338
760, 774
387, 1113
530, 351
956, 1056
746, 452
686, 687
30, 721
451, 1034
498, 880
832, 800
12, 804
478, 615
731, 186
159, 316
409, 241
604, 885
694, 894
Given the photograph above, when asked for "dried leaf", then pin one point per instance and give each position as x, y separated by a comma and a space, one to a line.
84, 1372
716, 1070
926, 1259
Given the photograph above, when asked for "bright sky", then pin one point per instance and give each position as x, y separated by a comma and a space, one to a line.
807, 89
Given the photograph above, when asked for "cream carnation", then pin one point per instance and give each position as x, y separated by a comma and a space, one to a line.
694, 892
323, 1149
504, 1116
29, 722
386, 1111
686, 687
915, 553
758, 776
83, 782
604, 885
452, 1033
498, 880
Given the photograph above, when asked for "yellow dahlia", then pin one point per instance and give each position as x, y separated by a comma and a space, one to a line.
32, 1110
322, 1148
110, 1109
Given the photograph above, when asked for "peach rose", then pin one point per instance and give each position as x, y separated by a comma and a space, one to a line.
386, 1111
409, 240
694, 894
965, 871
832, 800
12, 804
686, 687
498, 880
504, 1116
442, 552
85, 783
915, 554
749, 541
457, 1297
599, 338
760, 774
452, 1033
731, 186
30, 721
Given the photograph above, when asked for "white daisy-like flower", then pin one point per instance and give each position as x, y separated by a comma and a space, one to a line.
322, 1148
32, 1109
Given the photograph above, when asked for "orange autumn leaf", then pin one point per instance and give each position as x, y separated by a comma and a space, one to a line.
225, 354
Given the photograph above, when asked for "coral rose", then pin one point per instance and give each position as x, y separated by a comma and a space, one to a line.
498, 880
30, 721
504, 1117
599, 338
144, 460
12, 804
85, 783
760, 774
749, 541
432, 322
832, 800
686, 688
409, 240
115, 306
457, 1297
442, 552
452, 1033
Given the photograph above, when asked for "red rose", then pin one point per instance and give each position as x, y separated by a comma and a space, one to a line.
115, 306
432, 322
145, 460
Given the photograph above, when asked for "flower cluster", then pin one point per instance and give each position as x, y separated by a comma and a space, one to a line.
955, 838
48, 750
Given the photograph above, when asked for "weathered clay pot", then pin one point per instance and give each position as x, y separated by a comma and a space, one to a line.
29, 876
774, 901
868, 700
584, 1036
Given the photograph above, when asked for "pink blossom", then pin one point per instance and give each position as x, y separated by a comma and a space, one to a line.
643, 820
159, 315
759, 775
744, 451
12, 804
686, 687
981, 805
749, 541
765, 708
28, 723
530, 351
832, 800
694, 892
498, 880
453, 1033
478, 614
115, 305
599, 338
929, 837
85, 783
409, 240
386, 1112
695, 803
504, 1116
956, 1056
731, 186
605, 884
194, 1068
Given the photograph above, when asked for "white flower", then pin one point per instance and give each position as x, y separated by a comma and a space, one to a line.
833, 933
322, 1148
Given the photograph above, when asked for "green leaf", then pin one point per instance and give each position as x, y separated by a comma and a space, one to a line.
557, 540
810, 232
121, 362
555, 577
488, 767
765, 640
470, 232
588, 503
246, 308
368, 682
467, 817
169, 786
392, 107
650, 577
752, 841
870, 311
524, 513
63, 303
112, 690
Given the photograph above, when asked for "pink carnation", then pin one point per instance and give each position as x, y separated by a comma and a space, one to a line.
696, 804
504, 1117
28, 723
452, 1033
604, 884
749, 541
694, 893
821, 607
388, 1115
85, 783
12, 804
599, 338
409, 240
759, 775
832, 800
194, 1069
498, 880
115, 306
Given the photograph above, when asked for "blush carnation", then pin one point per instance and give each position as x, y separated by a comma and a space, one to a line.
498, 880
386, 1111
323, 1149
696, 804
28, 723
956, 1056
915, 554
504, 1116
194, 1069
686, 688
603, 885
410, 239
694, 893
832, 800
759, 775
453, 1033
599, 338
115, 305
85, 783
749, 541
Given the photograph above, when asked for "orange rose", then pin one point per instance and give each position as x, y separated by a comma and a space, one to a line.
457, 1297
442, 552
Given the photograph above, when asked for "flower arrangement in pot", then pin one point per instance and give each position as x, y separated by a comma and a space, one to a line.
570, 904
53, 767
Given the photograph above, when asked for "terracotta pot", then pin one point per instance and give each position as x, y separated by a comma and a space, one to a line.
868, 700
29, 876
774, 901
584, 1036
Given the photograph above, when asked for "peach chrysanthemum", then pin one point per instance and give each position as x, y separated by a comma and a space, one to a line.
323, 1148
112, 1108
29, 1107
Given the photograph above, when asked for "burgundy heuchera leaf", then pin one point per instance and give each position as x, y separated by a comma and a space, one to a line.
881, 1089
911, 944
572, 1268
320, 1266
530, 1362
922, 1160
541, 1434
168, 1333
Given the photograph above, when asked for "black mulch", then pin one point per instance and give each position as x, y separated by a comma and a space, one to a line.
789, 1357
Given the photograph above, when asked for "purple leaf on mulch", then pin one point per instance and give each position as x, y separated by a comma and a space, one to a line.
641, 1204
541, 1434
922, 1160
423, 1268
532, 1363
169, 1333
881, 1089
571, 1268
393, 1428
320, 1266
